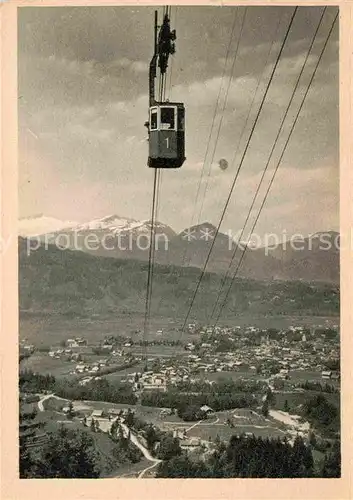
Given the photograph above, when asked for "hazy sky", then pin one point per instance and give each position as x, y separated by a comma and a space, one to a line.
83, 82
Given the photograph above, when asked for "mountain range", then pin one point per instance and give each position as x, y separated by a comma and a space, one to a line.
75, 284
315, 258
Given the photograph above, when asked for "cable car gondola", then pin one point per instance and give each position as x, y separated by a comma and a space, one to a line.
166, 124
166, 135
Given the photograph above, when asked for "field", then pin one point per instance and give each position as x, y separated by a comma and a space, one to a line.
217, 424
42, 363
296, 376
242, 422
296, 399
50, 329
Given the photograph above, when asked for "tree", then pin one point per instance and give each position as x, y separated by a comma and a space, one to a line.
179, 466
286, 406
265, 408
70, 413
230, 423
169, 447
27, 431
312, 439
322, 412
301, 460
68, 454
129, 418
114, 429
151, 437
93, 425
217, 440
270, 396
332, 462
156, 365
191, 413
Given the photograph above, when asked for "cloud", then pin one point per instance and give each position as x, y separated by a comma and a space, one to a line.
84, 77
129, 65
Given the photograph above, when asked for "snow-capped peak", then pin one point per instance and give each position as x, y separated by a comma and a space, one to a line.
116, 224
111, 222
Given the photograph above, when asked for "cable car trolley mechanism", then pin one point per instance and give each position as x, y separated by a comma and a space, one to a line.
166, 124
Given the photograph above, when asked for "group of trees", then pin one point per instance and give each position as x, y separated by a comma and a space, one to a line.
331, 466
219, 402
191, 413
222, 386
322, 414
35, 382
120, 340
218, 396
245, 457
65, 453
164, 342
169, 447
28, 428
333, 364
68, 453
96, 390
318, 386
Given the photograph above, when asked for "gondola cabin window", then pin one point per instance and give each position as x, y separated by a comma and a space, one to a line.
154, 118
167, 118
164, 118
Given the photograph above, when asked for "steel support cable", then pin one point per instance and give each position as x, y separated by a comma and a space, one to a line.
152, 238
159, 171
213, 120
240, 165
155, 209
155, 201
225, 277
150, 265
259, 80
277, 166
235, 59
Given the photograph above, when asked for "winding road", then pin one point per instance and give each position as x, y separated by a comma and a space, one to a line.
47, 396
142, 448
41, 401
